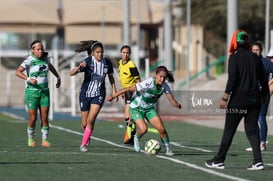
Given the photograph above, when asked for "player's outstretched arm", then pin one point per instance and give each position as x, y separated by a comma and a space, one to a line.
173, 101
120, 92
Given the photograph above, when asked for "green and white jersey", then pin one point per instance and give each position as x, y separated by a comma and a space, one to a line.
148, 94
36, 69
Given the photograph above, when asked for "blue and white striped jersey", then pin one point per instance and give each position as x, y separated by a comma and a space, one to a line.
94, 76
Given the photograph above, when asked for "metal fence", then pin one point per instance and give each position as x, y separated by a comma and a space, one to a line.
65, 99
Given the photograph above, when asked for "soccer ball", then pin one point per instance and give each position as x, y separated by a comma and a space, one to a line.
152, 147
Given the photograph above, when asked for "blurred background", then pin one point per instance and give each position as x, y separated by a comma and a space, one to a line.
190, 37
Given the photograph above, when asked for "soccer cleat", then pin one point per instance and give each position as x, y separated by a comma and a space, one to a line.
212, 164
169, 153
249, 149
136, 144
256, 166
31, 142
129, 134
262, 147
45, 143
83, 149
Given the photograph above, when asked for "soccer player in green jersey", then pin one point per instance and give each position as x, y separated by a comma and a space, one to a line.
142, 105
37, 96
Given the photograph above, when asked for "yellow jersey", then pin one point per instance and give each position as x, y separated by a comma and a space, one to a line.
128, 73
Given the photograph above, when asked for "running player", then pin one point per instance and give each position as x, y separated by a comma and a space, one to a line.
93, 91
143, 105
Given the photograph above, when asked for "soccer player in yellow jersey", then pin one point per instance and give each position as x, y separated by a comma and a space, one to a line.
128, 76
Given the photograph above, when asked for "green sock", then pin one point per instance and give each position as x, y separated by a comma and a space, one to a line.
30, 132
166, 142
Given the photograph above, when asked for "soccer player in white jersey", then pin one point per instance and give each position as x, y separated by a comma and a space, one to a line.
93, 92
37, 96
142, 105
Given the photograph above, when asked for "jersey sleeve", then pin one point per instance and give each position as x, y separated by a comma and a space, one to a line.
144, 85
110, 66
25, 63
87, 61
48, 60
133, 69
167, 88
134, 72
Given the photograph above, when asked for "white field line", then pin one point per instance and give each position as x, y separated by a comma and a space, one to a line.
189, 147
13, 115
210, 171
69, 153
93, 137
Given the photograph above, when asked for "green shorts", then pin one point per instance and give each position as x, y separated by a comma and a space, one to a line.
137, 114
35, 98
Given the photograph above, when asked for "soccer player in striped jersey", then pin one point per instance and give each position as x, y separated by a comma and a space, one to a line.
143, 105
93, 92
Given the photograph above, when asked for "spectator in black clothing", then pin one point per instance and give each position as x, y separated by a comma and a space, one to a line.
242, 99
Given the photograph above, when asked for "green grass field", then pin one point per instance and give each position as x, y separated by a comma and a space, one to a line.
110, 160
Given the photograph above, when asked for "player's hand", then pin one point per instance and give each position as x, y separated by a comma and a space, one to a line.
32, 81
116, 99
82, 64
223, 104
109, 98
179, 106
58, 84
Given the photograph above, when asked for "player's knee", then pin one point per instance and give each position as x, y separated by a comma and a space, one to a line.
32, 119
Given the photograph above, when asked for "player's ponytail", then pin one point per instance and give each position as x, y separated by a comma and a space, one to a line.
86, 46
170, 77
